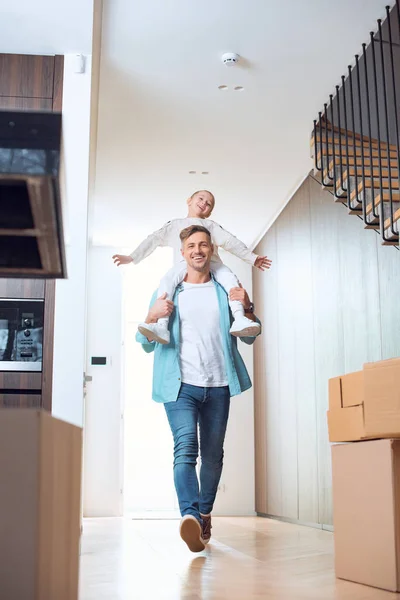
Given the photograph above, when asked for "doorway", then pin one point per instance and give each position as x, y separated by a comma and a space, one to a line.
148, 448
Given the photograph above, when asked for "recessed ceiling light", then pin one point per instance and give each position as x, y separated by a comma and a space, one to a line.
205, 172
238, 88
192, 172
223, 87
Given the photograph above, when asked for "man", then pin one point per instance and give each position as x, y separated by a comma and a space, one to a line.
195, 376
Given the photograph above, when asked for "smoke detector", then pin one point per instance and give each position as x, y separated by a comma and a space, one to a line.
230, 58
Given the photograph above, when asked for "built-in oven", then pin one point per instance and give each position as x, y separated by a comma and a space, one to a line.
21, 334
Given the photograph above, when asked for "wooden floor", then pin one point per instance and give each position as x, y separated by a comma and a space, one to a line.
248, 558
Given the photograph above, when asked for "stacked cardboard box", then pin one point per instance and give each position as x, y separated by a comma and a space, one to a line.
365, 404
364, 407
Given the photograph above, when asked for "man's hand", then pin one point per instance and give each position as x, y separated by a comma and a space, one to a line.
240, 294
161, 308
262, 263
122, 259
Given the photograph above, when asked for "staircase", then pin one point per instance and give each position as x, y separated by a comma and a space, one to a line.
359, 163
361, 173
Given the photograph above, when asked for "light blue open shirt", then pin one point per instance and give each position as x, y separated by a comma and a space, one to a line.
166, 371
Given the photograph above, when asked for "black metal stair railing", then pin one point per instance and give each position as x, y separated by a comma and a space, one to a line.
348, 183
356, 137
333, 179
378, 121
363, 166
375, 216
386, 111
343, 187
394, 85
327, 146
352, 112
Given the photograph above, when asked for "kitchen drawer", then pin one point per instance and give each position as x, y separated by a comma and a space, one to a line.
20, 400
18, 380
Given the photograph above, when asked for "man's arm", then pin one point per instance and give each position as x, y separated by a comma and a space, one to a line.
159, 307
242, 296
232, 244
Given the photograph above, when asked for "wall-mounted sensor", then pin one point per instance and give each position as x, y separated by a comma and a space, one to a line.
79, 63
230, 58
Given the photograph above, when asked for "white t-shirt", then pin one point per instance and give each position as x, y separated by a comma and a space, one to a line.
201, 354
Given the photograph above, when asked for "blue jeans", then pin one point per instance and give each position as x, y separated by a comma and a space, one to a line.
206, 409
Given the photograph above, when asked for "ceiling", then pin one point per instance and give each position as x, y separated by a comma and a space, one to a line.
46, 26
162, 115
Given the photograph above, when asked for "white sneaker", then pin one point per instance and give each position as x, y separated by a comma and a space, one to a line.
191, 533
244, 327
156, 332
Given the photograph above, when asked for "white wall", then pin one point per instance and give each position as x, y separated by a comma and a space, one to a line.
103, 406
148, 484
238, 474
69, 329
148, 444
329, 304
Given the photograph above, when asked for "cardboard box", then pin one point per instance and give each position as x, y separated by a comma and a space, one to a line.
346, 425
40, 498
365, 404
366, 512
346, 407
347, 390
382, 397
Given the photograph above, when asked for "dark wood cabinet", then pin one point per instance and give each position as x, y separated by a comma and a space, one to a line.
30, 82
20, 400
10, 380
20, 390
26, 103
48, 343
27, 76
22, 288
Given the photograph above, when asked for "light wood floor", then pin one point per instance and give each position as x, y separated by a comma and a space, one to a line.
248, 558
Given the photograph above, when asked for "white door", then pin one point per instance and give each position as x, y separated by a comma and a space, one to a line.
148, 448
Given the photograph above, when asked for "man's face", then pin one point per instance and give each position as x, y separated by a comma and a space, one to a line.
197, 250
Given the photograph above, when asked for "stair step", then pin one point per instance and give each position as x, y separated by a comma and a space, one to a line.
373, 222
396, 218
360, 170
394, 242
350, 141
386, 198
354, 194
376, 180
375, 172
350, 133
350, 160
367, 184
389, 238
357, 152
385, 183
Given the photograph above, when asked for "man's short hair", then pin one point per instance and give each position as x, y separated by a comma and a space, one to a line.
191, 230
